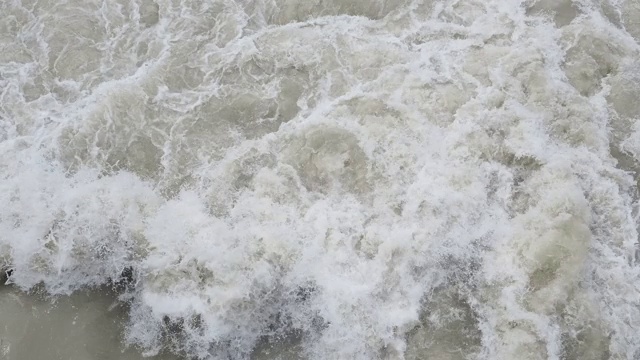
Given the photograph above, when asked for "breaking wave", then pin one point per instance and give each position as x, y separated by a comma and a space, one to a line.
330, 179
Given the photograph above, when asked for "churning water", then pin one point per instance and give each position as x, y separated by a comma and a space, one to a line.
329, 179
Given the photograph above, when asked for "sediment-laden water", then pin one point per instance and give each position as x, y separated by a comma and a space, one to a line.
321, 179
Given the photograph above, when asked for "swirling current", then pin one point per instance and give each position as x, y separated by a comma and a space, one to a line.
328, 179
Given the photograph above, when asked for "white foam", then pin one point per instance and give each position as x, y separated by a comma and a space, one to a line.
400, 179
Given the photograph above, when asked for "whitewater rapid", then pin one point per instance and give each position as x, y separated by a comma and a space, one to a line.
330, 179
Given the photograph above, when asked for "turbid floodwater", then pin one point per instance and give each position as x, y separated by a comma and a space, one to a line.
320, 179
83, 326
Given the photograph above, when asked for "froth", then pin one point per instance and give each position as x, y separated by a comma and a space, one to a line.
330, 179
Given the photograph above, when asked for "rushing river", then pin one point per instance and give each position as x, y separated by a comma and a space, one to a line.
320, 179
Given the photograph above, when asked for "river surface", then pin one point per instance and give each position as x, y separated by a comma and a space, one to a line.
319, 179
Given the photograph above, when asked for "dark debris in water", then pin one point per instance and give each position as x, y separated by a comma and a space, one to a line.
5, 275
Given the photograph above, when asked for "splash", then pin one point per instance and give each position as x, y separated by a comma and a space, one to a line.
330, 179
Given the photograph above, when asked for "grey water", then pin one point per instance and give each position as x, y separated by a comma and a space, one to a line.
319, 179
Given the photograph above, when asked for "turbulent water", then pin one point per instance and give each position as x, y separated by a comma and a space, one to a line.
329, 179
